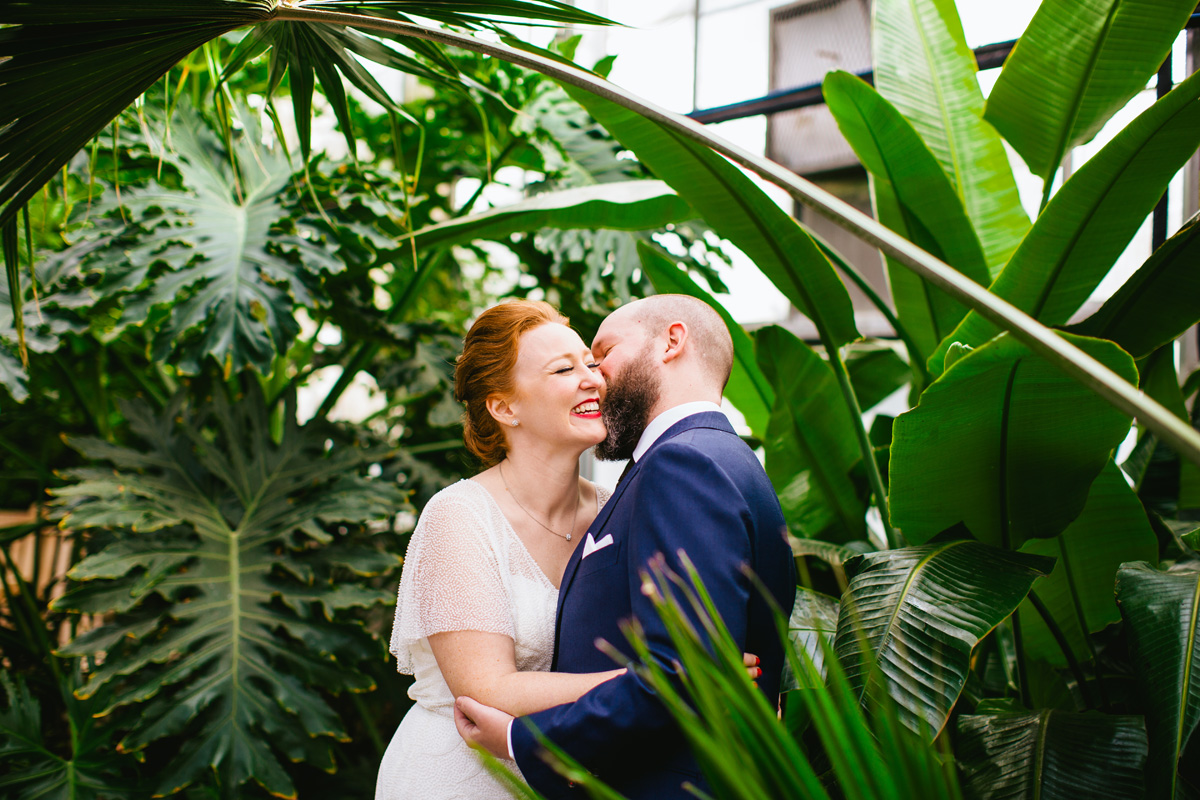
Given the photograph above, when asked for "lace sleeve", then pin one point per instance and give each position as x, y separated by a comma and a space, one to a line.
451, 579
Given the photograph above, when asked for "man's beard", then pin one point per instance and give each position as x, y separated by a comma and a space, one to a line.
626, 408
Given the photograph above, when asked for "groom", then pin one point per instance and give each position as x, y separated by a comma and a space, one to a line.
692, 484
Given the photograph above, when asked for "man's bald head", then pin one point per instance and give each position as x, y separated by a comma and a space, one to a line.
708, 338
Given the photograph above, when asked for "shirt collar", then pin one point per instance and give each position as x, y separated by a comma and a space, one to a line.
659, 425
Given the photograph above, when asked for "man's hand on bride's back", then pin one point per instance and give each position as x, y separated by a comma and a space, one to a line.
482, 726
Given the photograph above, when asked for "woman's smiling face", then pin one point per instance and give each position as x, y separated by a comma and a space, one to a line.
556, 389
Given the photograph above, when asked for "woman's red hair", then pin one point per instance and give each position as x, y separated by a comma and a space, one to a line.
485, 369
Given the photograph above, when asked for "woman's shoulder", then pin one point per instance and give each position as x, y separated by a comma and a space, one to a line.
460, 498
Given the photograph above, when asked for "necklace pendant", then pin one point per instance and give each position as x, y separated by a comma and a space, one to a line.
569, 535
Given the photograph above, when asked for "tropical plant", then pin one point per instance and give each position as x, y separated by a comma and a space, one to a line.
1007, 458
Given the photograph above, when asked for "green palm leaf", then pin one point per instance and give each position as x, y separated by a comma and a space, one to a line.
911, 617
913, 197
1091, 220
225, 620
626, 206
1004, 443
1162, 616
811, 449
1078, 594
1055, 755
1077, 63
1158, 303
925, 68
748, 388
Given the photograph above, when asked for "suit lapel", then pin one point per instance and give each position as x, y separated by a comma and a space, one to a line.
706, 419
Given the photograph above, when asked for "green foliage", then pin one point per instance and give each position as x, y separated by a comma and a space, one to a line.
1019, 443
1162, 612
811, 452
1089, 222
924, 67
741, 744
1078, 595
231, 567
912, 196
738, 211
1052, 754
1114, 48
911, 617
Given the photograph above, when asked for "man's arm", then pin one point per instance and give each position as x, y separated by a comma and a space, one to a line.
683, 499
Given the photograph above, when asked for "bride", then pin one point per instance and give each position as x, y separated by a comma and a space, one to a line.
479, 590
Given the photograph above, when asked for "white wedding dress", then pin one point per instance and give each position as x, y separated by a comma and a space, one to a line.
465, 569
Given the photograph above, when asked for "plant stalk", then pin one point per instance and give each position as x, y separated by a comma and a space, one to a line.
1039, 338
1064, 645
864, 442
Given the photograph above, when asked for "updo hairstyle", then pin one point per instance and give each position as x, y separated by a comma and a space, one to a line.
485, 369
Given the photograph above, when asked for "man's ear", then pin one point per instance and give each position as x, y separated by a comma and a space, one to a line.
501, 410
677, 335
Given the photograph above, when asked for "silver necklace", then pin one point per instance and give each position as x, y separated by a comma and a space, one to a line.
574, 517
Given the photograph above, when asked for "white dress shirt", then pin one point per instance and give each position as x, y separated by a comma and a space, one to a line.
654, 431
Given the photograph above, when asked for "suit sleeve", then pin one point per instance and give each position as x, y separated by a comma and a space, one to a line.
682, 500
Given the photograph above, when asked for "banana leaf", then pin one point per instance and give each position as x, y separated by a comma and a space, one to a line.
1078, 594
1053, 755
736, 210
924, 67
1158, 303
1004, 443
1162, 616
810, 630
811, 449
911, 617
875, 372
912, 196
1091, 220
748, 388
1077, 64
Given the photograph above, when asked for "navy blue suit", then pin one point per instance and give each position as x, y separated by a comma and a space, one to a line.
699, 488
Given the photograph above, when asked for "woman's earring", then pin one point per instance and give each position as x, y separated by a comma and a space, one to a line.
515, 423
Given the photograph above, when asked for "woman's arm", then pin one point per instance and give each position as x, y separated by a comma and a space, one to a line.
483, 666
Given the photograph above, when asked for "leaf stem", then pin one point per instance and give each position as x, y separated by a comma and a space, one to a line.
1064, 645
864, 442
915, 356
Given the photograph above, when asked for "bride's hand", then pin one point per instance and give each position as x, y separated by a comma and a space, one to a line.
752, 666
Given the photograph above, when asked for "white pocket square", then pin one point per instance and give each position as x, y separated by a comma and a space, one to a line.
590, 545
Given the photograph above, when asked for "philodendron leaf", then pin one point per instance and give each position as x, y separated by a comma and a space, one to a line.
1005, 443
811, 627
1091, 220
737, 210
912, 196
1053, 755
1077, 64
1162, 616
911, 617
924, 67
810, 446
748, 388
1078, 594
626, 206
1158, 303
230, 657
236, 262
